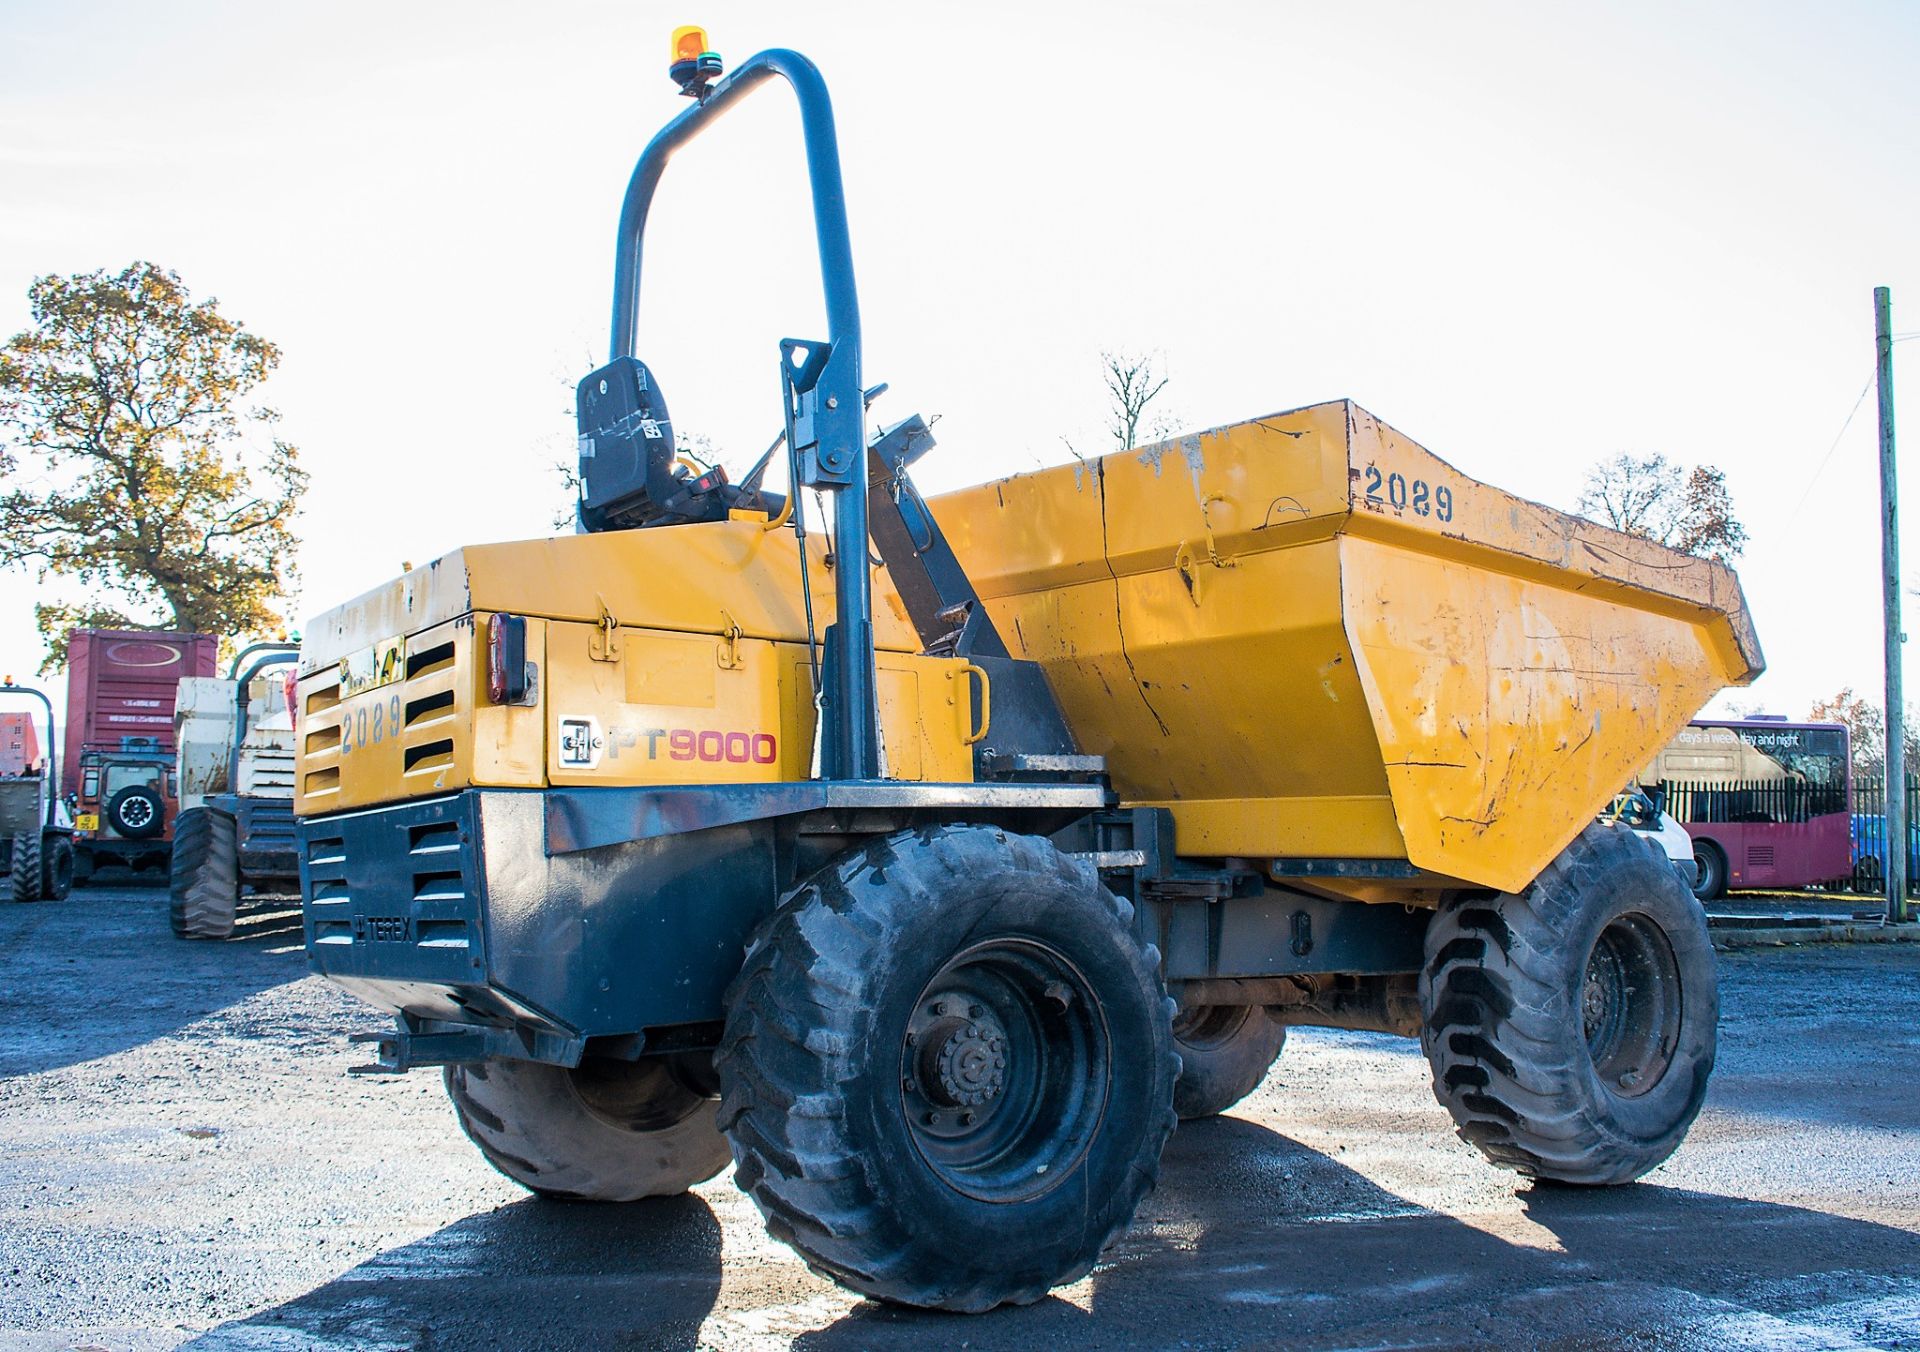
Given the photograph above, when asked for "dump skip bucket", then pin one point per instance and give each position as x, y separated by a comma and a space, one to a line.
1316, 642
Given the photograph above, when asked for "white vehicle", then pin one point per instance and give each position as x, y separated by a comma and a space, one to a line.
1642, 814
235, 767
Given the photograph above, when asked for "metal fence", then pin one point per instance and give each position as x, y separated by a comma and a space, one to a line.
1760, 800
1787, 801
1870, 836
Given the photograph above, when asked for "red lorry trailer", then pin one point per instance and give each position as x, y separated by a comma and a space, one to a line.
118, 758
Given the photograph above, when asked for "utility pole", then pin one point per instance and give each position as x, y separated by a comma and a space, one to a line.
1896, 795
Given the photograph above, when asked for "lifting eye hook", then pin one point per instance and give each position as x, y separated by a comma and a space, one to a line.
1186, 558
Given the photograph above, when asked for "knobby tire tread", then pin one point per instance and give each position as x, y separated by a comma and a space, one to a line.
203, 882
781, 1104
1502, 1030
528, 1124
23, 878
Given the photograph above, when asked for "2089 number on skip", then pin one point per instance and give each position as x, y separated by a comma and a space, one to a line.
1400, 493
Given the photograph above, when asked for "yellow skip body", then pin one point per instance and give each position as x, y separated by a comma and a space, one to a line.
1309, 638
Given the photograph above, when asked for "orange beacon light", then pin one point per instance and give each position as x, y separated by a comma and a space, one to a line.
693, 65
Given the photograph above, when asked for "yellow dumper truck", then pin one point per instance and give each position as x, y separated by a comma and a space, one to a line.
928, 864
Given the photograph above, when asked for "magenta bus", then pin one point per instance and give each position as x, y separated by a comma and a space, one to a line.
1766, 801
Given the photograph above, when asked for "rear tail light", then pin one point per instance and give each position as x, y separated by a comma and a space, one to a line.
507, 659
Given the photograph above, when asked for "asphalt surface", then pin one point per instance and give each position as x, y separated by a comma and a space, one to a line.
184, 1160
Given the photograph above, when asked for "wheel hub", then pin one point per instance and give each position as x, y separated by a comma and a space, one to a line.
964, 1061
1003, 1069
1630, 1005
1594, 1001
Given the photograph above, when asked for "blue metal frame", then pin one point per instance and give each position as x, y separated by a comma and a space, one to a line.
277, 655
826, 406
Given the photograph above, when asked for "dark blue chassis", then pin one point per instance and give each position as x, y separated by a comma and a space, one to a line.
538, 924
526, 922
264, 831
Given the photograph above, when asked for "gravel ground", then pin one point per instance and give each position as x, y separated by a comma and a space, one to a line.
184, 1160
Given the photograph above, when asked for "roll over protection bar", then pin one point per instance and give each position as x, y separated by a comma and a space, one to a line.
823, 401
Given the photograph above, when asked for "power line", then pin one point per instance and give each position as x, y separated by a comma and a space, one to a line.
1795, 514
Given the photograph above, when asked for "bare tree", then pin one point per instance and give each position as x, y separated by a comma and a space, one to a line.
1655, 499
1133, 382
567, 515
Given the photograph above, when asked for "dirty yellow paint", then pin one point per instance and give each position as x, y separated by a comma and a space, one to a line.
1304, 635
707, 681
678, 580
1308, 637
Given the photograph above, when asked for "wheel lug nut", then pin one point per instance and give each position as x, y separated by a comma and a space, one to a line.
933, 1119
966, 1119
940, 1007
975, 1011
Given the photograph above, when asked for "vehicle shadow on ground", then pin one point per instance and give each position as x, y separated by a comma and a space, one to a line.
1251, 1240
531, 1274
82, 981
1255, 1240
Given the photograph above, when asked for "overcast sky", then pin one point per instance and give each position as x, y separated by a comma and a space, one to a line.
1529, 235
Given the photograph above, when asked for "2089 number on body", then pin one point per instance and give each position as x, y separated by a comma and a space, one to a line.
370, 724
1395, 490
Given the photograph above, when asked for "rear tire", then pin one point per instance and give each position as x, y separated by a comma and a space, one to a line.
23, 875
1710, 876
609, 1131
1571, 1029
1225, 1052
948, 1069
203, 892
56, 868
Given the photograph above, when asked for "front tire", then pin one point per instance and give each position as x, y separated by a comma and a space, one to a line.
23, 875
948, 1069
1572, 1028
203, 876
1225, 1052
56, 869
608, 1131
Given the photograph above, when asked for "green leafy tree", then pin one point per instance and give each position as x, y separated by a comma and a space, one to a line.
139, 464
